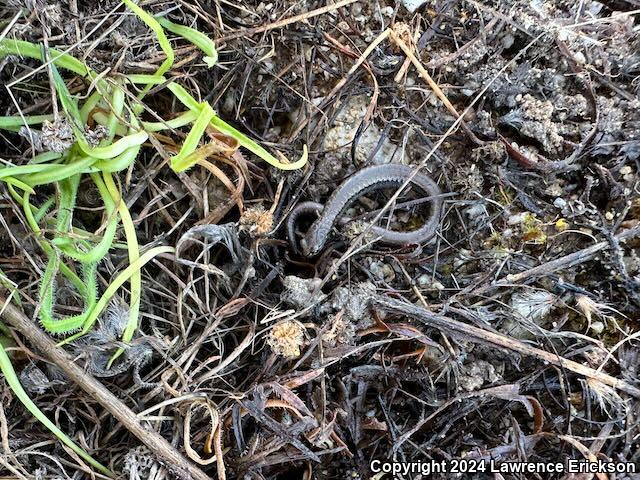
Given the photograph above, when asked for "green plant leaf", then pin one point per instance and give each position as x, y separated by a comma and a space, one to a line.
188, 101
254, 147
32, 50
14, 383
199, 39
16, 122
160, 36
178, 163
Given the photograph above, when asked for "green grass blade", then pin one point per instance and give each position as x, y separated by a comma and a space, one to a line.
69, 104
199, 39
160, 36
134, 254
180, 121
178, 162
45, 157
254, 147
119, 163
56, 173
146, 79
19, 170
14, 383
21, 185
116, 148
89, 105
12, 287
32, 50
16, 122
117, 106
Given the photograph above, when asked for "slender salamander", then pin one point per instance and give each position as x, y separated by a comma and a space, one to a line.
362, 182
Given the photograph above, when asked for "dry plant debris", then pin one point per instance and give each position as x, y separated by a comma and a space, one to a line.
513, 335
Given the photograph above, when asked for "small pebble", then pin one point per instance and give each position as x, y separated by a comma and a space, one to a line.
412, 5
560, 203
580, 58
423, 280
507, 41
517, 219
387, 11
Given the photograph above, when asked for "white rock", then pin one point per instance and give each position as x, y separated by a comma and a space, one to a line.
517, 218
338, 138
560, 203
387, 11
413, 5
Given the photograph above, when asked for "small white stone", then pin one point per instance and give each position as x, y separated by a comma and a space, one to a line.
387, 11
597, 327
559, 203
413, 5
517, 219
609, 216
580, 58
423, 280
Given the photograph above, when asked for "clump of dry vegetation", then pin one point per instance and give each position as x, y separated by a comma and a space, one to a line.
143, 232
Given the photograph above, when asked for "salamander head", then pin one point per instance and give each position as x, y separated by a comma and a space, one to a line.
313, 241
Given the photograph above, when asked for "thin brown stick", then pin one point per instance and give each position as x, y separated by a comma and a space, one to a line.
167, 454
286, 21
478, 334
434, 86
570, 260
361, 60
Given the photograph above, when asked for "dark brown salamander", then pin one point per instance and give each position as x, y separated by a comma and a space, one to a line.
362, 182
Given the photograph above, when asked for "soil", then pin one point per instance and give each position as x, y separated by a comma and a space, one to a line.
311, 373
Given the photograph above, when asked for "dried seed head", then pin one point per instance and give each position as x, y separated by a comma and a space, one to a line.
57, 136
339, 331
534, 304
114, 320
286, 338
257, 221
94, 136
590, 308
